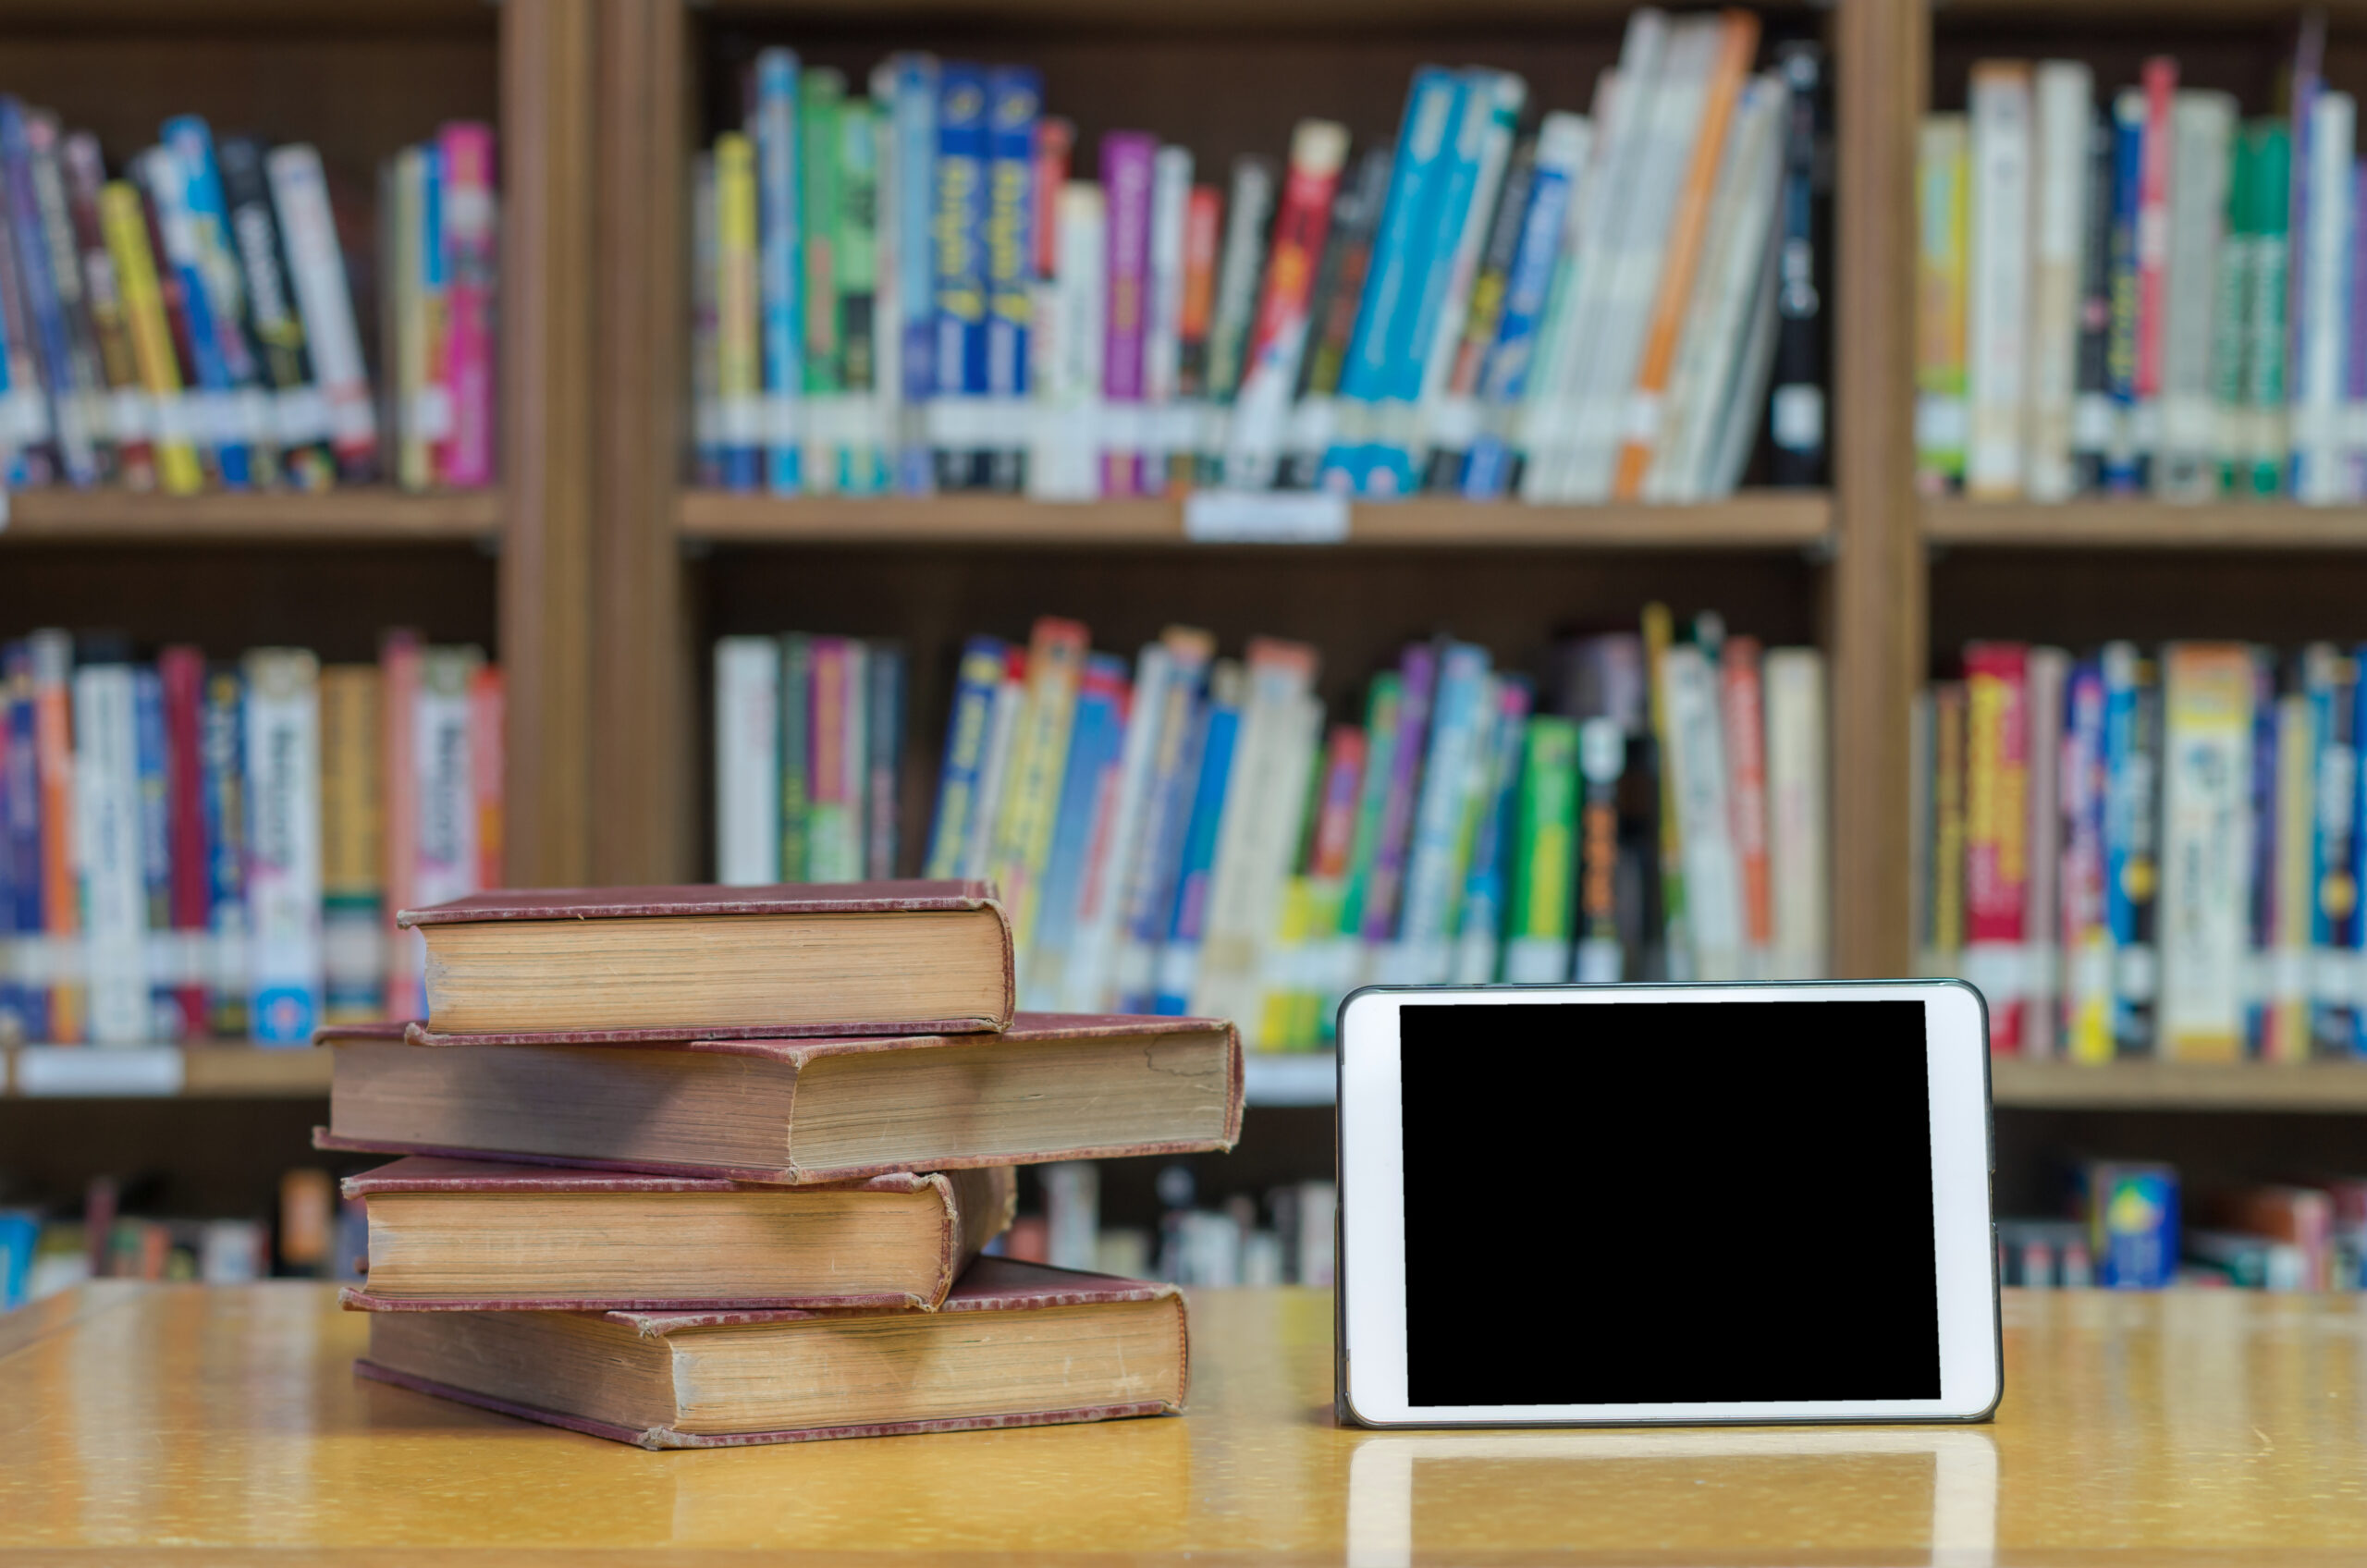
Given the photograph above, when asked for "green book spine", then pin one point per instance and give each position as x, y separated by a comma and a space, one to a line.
1381, 705
2230, 408
1544, 854
863, 469
796, 717
821, 99
2264, 316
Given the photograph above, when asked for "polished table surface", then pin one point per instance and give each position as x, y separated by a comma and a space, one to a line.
186, 1424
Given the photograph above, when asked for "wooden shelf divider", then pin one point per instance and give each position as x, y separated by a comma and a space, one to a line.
2138, 524
1760, 519
2327, 1087
358, 515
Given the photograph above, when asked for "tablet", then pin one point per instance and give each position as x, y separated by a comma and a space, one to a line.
1686, 1204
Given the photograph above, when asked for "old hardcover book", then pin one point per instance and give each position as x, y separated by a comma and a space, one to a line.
470, 1235
623, 963
797, 1111
1016, 1344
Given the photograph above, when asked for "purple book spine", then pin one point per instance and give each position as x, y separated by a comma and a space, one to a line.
1126, 178
2354, 390
1420, 668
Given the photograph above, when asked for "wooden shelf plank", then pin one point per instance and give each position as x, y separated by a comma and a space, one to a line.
1758, 520
205, 1071
361, 515
2327, 1088
2143, 525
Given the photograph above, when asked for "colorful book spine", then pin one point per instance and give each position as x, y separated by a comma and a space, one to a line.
976, 679
963, 147
2266, 356
829, 829
160, 954
1144, 919
1943, 296
1014, 105
1258, 835
1457, 414
224, 745
1023, 835
1165, 417
114, 886
70, 408
1562, 144
1095, 747
913, 116
1331, 317
466, 457
1478, 948
886, 679
1119, 828
735, 303
353, 918
857, 256
1277, 335
2160, 79
822, 109
1420, 954
2132, 793
300, 415
1178, 966
2295, 888
61, 893
1796, 403
795, 762
1743, 710
2124, 466
283, 845
2206, 855
1126, 168
26, 993
1545, 852
1996, 789
779, 280
1384, 892
2085, 935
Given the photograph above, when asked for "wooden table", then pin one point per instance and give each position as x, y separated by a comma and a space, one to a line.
181, 1424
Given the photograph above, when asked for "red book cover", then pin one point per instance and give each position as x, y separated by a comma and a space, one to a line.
2155, 174
180, 670
1055, 144
1746, 734
1996, 831
992, 1284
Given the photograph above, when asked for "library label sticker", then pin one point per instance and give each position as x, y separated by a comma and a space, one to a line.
1243, 517
98, 1070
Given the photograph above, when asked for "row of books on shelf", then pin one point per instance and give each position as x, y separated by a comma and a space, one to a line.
1189, 835
2142, 853
193, 849
911, 292
190, 323
2132, 1229
43, 1250
2157, 297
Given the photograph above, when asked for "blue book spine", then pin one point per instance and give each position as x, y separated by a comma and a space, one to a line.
915, 112
2348, 933
1452, 185
20, 1237
1014, 100
1479, 924
1457, 724
191, 140
962, 145
1100, 729
976, 681
1151, 916
2262, 913
779, 272
1421, 140
2329, 680
155, 826
23, 828
48, 318
2124, 463
1503, 375
221, 745
1179, 959
167, 183
16, 775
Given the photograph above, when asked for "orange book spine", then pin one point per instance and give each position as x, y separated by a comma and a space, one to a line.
61, 888
398, 661
488, 711
1746, 727
1737, 44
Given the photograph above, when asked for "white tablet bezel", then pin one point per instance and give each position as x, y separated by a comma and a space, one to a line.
1371, 1272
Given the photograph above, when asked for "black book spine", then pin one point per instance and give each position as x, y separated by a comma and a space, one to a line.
1796, 406
2091, 383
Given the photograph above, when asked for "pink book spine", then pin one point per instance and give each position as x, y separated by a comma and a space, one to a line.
2161, 78
398, 660
465, 457
1126, 157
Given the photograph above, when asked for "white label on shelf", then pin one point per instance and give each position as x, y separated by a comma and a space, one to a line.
1242, 516
80, 1071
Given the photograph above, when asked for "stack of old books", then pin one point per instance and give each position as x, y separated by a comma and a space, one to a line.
701, 1166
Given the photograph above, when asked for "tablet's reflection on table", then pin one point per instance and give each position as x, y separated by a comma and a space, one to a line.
1782, 1491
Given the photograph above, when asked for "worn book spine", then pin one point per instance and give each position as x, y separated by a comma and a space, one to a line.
1996, 833
283, 845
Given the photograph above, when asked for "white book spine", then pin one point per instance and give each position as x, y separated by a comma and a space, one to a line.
1799, 871
332, 344
106, 799
747, 770
1746, 399
1742, 218
446, 866
2203, 129
1999, 313
284, 940
2319, 472
1171, 194
1087, 980
1536, 423
1066, 464
1713, 873
2065, 107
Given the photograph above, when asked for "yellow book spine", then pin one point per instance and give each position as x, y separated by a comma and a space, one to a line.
735, 233
352, 842
125, 227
